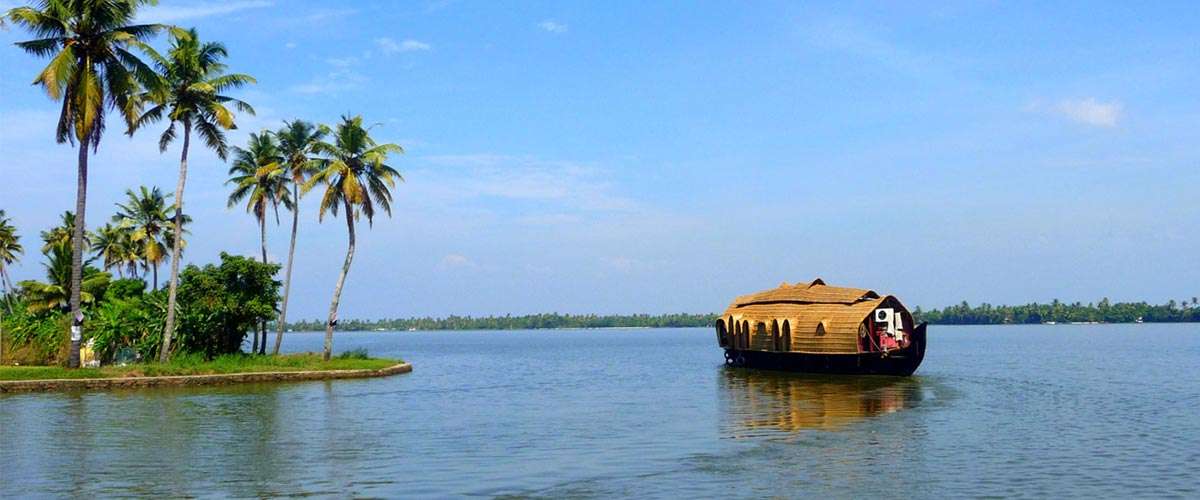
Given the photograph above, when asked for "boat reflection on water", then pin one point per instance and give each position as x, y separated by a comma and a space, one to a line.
760, 403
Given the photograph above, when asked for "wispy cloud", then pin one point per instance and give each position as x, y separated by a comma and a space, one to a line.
390, 46
341, 78
560, 188
553, 27
1090, 112
454, 261
439, 5
324, 14
176, 13
1084, 112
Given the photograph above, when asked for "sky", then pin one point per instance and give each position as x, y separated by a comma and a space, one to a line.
662, 157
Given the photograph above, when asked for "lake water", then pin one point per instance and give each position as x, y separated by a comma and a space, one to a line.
1109, 411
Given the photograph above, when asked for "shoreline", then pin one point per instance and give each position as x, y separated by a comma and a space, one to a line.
94, 384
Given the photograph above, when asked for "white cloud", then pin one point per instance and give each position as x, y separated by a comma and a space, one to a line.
456, 262
342, 78
552, 183
1090, 112
174, 14
325, 14
623, 264
290, 45
390, 46
553, 27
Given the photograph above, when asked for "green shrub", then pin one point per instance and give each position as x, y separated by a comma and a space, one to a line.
360, 353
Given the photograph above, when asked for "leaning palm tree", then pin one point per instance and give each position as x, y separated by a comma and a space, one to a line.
297, 140
10, 247
356, 179
91, 70
145, 214
190, 84
257, 176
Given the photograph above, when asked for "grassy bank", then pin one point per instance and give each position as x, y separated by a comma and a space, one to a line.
197, 365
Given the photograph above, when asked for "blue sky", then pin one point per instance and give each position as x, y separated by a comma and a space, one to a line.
622, 157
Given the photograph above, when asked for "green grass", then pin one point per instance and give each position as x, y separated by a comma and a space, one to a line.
197, 365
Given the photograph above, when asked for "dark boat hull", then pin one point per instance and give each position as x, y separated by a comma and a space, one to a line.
901, 362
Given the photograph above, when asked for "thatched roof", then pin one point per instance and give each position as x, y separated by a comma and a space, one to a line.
816, 292
821, 318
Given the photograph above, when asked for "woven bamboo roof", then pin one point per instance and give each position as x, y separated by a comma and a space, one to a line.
816, 292
822, 318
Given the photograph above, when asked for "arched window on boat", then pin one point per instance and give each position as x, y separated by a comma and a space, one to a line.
786, 335
722, 334
745, 334
822, 327
762, 338
776, 340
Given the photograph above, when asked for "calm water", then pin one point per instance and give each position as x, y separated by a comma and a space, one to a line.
1055, 411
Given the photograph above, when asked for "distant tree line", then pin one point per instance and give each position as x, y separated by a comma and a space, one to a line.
961, 314
1060, 312
508, 322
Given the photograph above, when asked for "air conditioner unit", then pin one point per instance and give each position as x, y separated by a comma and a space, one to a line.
886, 316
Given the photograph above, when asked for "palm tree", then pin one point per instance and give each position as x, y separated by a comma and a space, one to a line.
10, 247
257, 176
114, 244
190, 83
63, 233
91, 70
356, 179
56, 292
297, 140
145, 214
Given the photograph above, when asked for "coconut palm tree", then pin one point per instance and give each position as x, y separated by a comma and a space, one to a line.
258, 177
113, 244
10, 247
63, 233
91, 71
56, 292
356, 180
189, 91
297, 140
145, 214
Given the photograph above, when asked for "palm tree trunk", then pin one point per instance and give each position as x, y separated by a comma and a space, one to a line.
7, 286
254, 349
77, 255
176, 248
287, 283
156, 275
337, 291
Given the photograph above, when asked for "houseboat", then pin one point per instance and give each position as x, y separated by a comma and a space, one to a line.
816, 328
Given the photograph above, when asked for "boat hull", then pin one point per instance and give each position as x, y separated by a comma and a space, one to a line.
901, 362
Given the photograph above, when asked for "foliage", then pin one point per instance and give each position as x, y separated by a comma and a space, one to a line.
34, 339
10, 248
55, 293
126, 319
193, 364
359, 353
218, 305
147, 226
529, 322
257, 174
1059, 312
354, 171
